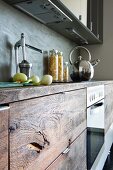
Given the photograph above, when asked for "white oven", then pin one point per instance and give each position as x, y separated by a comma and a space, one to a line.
95, 123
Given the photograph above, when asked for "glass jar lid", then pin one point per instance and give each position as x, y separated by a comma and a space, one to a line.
53, 52
60, 53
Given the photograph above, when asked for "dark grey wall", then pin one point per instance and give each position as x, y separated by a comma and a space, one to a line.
104, 71
12, 24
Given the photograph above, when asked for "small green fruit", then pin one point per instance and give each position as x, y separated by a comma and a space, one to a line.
35, 79
20, 77
46, 80
36, 84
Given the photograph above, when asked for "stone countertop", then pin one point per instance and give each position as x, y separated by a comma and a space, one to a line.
13, 94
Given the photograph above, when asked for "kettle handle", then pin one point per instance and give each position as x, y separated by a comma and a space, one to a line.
75, 48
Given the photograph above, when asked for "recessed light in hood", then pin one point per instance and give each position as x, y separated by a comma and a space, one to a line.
81, 39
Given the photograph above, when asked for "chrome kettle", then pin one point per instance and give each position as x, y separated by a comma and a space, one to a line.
82, 70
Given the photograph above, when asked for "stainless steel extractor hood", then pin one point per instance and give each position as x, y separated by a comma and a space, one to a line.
55, 15
43, 10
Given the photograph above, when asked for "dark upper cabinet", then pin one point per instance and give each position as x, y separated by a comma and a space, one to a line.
58, 16
95, 17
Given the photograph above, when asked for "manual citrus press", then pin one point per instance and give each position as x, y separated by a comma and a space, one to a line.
25, 66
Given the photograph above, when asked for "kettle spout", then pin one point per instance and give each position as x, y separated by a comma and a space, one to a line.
95, 62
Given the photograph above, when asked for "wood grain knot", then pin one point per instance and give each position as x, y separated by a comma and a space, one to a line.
13, 127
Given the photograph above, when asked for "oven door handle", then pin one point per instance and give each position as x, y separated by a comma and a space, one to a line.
98, 104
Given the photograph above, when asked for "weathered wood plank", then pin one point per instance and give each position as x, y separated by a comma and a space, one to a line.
59, 117
4, 139
108, 106
75, 159
8, 95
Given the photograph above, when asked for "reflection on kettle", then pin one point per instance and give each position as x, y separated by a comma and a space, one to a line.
82, 70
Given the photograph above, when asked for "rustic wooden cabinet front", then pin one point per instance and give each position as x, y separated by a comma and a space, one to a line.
4, 114
108, 106
41, 128
74, 158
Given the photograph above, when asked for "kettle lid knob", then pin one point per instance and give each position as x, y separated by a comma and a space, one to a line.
80, 58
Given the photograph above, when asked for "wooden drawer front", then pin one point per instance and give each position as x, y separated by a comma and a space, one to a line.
108, 106
4, 139
49, 121
75, 159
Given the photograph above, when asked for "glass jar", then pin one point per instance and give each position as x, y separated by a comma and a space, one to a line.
66, 72
53, 64
60, 66
45, 62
